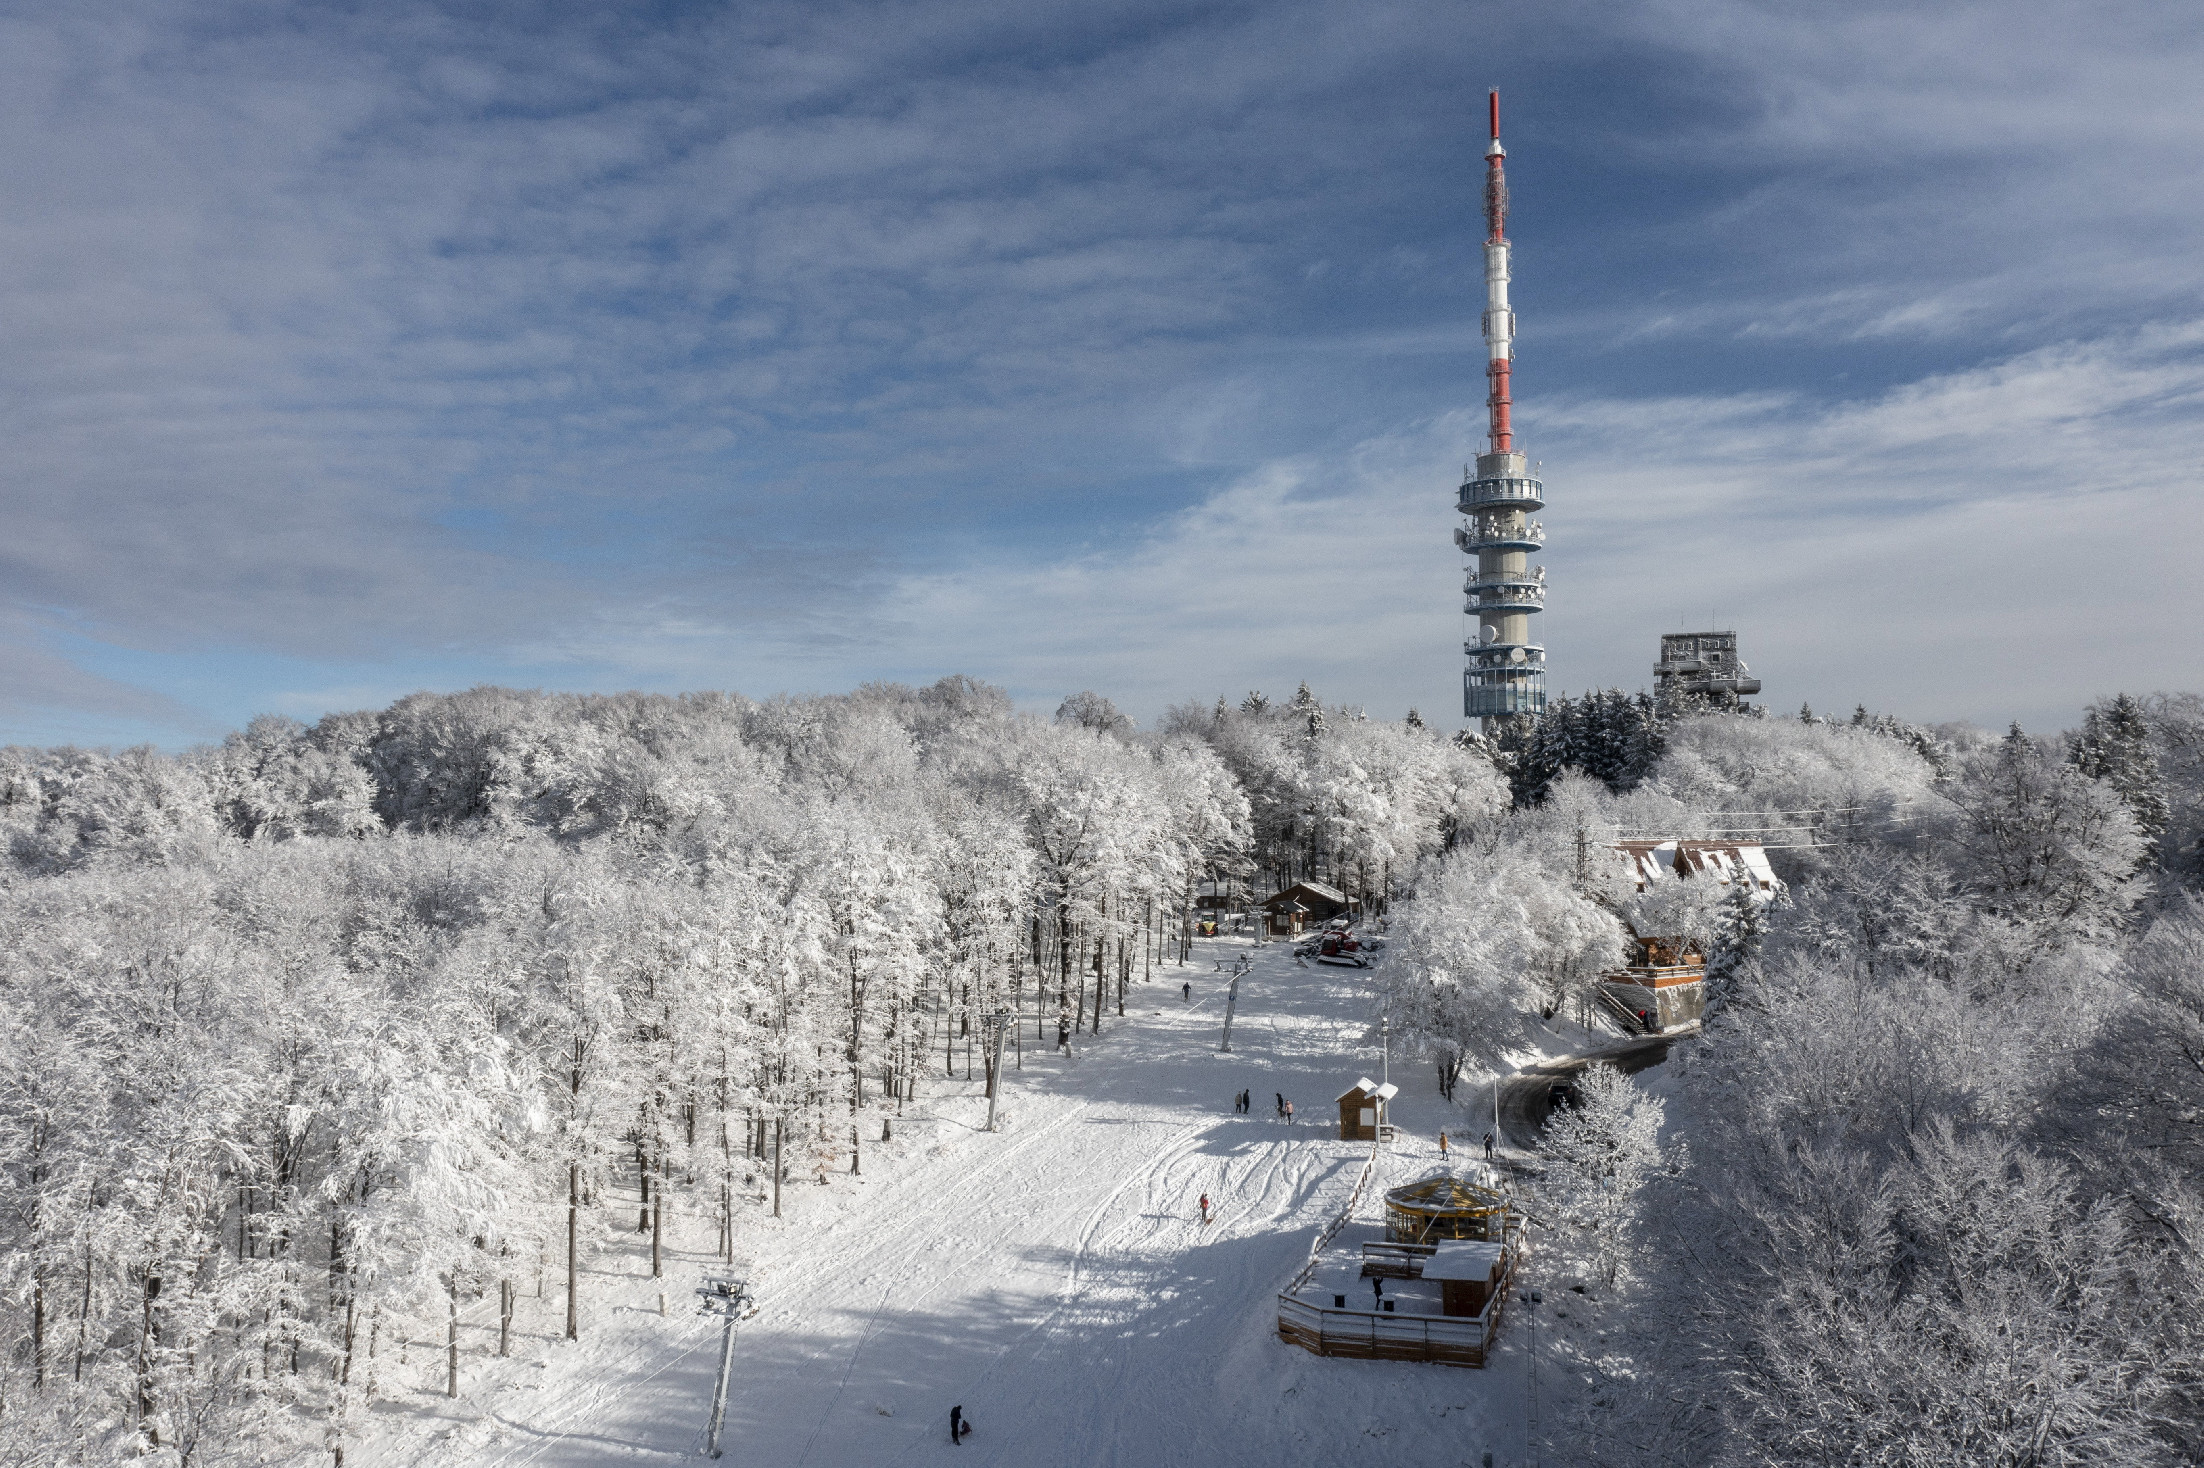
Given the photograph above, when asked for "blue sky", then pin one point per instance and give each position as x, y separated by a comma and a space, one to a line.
354, 350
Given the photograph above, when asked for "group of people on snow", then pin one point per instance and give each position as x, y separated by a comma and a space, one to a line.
1244, 1102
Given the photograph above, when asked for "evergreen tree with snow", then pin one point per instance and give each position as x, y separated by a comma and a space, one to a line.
2115, 746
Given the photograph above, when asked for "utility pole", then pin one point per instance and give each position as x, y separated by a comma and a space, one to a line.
1385, 1067
1001, 1020
724, 1296
1232, 999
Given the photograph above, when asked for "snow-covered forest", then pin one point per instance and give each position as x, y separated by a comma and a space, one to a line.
316, 1036
313, 1039
1927, 1189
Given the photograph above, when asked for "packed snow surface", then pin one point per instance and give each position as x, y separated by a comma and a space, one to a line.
1054, 1279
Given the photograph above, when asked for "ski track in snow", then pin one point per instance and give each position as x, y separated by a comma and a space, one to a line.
1054, 1278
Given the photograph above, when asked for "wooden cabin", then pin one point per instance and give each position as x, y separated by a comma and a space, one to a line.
1362, 1109
1468, 1271
1301, 905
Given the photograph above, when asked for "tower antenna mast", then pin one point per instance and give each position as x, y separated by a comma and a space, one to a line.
1499, 320
1504, 684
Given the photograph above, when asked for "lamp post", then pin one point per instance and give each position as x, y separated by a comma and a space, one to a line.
724, 1296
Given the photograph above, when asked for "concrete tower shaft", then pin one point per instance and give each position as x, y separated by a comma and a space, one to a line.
1506, 676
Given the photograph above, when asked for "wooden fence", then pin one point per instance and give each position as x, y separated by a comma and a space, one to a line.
1383, 1335
1331, 1230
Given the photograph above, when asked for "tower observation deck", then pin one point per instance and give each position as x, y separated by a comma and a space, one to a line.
1505, 679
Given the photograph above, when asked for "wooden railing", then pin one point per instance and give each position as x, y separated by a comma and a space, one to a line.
1395, 1261
1379, 1335
1331, 1230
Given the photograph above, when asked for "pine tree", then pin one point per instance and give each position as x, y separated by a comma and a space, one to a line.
1415, 719
2115, 746
1255, 702
1739, 930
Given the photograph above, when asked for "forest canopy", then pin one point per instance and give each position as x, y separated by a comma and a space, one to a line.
313, 1036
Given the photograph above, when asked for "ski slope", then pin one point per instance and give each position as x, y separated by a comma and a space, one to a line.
1053, 1278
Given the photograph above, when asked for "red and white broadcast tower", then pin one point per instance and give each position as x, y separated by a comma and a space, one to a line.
1506, 677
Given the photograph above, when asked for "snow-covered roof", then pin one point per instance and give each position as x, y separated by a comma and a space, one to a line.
1365, 1088
1444, 1193
1386, 1092
1464, 1259
1317, 890
1651, 862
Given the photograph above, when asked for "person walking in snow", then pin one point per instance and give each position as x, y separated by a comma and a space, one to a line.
1281, 1102
1205, 1208
1377, 1289
956, 1425
1488, 1146
1186, 991
1442, 1144
1289, 1113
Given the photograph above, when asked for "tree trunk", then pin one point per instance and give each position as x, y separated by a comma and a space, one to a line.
1101, 979
84, 1314
573, 1250
148, 1341
777, 1133
38, 1326
451, 1336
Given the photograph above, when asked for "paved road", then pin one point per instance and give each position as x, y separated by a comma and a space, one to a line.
1523, 1096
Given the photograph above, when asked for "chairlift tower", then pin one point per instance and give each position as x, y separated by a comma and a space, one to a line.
1505, 681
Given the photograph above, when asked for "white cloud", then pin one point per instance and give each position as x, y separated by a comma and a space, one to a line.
2006, 542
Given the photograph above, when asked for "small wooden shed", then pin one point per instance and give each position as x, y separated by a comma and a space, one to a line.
1362, 1108
1303, 902
1468, 1271
1442, 1207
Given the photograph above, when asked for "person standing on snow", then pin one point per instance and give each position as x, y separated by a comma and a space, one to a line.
1442, 1144
956, 1425
1289, 1113
1186, 991
1488, 1146
1281, 1102
1205, 1208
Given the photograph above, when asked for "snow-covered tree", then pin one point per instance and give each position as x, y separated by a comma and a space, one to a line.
1595, 1155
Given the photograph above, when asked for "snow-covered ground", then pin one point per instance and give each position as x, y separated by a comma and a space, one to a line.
1055, 1279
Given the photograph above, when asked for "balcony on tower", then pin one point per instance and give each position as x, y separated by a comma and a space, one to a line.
1503, 679
1506, 591
1502, 492
1500, 533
